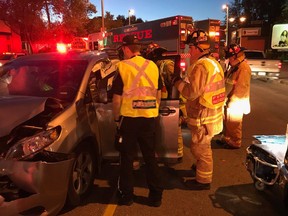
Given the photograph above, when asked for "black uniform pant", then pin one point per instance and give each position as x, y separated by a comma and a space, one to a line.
140, 131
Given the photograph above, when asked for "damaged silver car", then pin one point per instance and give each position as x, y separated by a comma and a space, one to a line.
56, 128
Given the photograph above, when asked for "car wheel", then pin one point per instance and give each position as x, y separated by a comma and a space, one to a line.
82, 176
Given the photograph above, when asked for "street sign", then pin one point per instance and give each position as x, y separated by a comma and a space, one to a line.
251, 32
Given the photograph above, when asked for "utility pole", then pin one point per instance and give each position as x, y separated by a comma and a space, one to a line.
102, 12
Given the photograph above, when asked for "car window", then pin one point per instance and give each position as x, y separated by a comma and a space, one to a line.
254, 55
58, 79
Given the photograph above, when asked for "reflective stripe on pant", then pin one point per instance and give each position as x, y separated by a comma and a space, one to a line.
233, 128
180, 142
201, 150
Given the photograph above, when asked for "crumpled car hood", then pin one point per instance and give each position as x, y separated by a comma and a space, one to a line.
15, 110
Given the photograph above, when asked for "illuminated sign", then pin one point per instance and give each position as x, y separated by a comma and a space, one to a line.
78, 43
279, 39
144, 34
251, 31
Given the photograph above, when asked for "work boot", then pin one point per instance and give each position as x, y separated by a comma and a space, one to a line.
193, 167
194, 185
155, 198
124, 199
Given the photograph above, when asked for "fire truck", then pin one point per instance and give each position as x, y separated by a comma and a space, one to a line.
97, 40
170, 32
212, 27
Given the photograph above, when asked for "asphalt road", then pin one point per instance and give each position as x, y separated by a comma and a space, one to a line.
232, 191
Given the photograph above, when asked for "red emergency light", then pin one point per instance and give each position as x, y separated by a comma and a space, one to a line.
279, 65
61, 48
174, 22
183, 66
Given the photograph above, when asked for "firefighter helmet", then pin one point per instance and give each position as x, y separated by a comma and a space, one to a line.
199, 38
154, 50
233, 49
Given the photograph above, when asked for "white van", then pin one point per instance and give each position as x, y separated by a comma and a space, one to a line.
57, 127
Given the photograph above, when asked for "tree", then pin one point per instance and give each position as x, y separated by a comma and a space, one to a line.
54, 20
24, 15
266, 11
76, 16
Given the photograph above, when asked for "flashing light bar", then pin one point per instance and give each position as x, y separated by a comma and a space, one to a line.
61, 47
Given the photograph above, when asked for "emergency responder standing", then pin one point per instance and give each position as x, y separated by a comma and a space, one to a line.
205, 94
166, 69
237, 82
136, 98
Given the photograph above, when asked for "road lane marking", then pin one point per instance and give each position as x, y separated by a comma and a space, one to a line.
111, 207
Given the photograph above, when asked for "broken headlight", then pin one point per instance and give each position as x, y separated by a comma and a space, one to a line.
26, 148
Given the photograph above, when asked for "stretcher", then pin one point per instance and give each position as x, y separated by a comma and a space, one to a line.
267, 161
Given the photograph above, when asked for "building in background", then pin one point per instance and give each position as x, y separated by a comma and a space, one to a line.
10, 41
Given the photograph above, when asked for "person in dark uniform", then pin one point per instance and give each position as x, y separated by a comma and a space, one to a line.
136, 98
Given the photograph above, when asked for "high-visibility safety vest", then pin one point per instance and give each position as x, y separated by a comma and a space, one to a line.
140, 79
214, 93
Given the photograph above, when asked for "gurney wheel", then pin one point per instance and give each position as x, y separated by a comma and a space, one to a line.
259, 185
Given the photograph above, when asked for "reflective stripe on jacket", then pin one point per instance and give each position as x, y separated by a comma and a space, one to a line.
140, 79
199, 76
214, 92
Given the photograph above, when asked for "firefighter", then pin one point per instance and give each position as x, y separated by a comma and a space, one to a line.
205, 94
166, 69
136, 98
237, 82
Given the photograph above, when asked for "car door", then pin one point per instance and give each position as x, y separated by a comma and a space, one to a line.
167, 122
100, 84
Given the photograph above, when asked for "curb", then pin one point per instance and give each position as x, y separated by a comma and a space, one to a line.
280, 81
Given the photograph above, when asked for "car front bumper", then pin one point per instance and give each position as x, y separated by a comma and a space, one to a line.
35, 185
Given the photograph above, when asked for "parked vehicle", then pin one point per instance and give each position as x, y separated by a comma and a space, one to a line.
169, 32
5, 57
57, 127
261, 66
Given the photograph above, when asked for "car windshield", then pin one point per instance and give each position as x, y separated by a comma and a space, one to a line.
58, 79
253, 55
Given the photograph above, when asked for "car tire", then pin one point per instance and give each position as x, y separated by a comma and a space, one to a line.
82, 175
